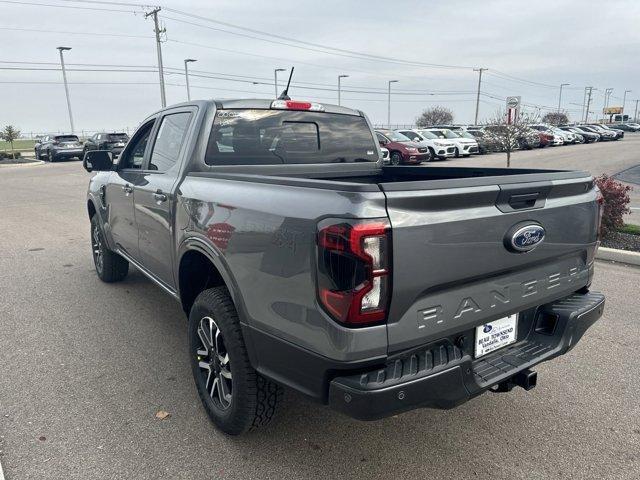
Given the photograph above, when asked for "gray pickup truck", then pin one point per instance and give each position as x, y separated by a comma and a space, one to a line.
301, 261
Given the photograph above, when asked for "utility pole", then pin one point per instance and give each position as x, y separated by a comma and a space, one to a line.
389, 103
66, 85
339, 78
586, 112
275, 77
624, 100
186, 75
584, 101
479, 70
158, 31
635, 115
560, 98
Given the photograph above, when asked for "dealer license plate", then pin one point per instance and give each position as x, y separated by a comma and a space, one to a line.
497, 334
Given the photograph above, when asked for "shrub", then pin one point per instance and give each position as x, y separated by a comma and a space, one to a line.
6, 155
615, 203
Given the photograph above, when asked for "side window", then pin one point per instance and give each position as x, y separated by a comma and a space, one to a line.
381, 138
169, 141
134, 155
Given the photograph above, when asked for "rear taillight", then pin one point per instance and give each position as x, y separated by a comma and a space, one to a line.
354, 270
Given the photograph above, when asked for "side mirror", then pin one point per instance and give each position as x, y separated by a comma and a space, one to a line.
383, 143
98, 161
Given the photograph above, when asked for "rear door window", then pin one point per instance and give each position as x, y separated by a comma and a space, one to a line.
271, 137
169, 141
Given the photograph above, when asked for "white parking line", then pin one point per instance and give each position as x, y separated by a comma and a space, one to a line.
1, 474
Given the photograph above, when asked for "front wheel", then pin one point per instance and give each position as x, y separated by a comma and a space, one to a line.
110, 266
457, 152
234, 395
50, 156
396, 158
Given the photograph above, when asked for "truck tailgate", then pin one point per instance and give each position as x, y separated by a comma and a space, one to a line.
452, 269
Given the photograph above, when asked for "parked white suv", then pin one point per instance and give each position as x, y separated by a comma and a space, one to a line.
463, 146
440, 149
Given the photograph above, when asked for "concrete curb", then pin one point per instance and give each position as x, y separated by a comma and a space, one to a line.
29, 164
621, 256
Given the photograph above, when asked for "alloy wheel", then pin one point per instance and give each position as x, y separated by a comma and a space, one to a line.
98, 247
213, 360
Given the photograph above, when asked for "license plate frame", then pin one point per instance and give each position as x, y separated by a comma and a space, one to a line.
495, 335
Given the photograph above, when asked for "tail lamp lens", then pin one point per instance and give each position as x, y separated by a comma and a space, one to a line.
354, 271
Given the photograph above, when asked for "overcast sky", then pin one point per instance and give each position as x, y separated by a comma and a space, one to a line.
546, 42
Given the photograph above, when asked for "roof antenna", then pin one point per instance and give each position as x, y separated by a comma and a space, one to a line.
285, 93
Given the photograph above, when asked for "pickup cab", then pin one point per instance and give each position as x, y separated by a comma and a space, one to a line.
301, 261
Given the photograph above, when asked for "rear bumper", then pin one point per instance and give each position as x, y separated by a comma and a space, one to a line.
444, 375
67, 153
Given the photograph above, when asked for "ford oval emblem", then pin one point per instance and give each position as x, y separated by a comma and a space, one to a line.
526, 238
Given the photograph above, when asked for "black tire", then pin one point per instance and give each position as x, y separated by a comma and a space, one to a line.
432, 155
50, 156
110, 266
236, 397
396, 158
457, 152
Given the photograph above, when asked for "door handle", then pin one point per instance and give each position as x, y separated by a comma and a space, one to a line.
127, 189
160, 196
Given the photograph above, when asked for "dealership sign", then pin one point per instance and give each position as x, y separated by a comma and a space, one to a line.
513, 109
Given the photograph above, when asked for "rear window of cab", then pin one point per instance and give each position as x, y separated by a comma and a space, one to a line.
272, 137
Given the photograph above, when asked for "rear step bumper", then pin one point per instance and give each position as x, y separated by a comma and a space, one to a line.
443, 376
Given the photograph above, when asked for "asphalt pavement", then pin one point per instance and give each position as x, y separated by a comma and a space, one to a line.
85, 366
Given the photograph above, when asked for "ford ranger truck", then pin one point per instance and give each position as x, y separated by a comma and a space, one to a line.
301, 261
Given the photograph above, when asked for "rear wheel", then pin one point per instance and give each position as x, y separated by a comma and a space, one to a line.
110, 266
396, 158
37, 153
234, 395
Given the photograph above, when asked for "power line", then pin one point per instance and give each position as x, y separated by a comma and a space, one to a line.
76, 7
97, 34
326, 51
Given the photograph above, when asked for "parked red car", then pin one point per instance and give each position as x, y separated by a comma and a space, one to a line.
401, 149
545, 139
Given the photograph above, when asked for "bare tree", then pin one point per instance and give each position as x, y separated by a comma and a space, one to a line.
555, 118
434, 116
10, 134
509, 136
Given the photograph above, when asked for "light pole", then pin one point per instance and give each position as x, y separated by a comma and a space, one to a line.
560, 98
275, 77
389, 103
607, 93
624, 100
339, 78
66, 86
186, 75
635, 115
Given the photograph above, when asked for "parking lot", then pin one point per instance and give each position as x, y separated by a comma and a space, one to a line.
86, 366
